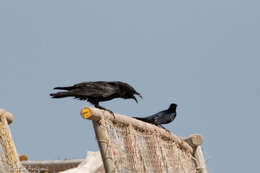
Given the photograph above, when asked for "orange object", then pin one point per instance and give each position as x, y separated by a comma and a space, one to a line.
86, 112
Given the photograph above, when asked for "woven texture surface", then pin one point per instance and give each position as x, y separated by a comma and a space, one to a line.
138, 150
9, 162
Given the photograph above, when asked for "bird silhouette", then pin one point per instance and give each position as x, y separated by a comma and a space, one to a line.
98, 91
162, 117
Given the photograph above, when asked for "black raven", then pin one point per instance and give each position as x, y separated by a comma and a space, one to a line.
98, 91
163, 117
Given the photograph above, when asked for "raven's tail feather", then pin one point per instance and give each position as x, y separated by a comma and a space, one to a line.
64, 88
60, 94
140, 118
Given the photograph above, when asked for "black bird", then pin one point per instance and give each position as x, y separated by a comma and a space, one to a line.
99, 91
163, 117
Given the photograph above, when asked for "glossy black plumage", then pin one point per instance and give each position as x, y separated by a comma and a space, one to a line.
98, 91
162, 117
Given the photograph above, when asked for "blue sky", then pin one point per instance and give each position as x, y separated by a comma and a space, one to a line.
203, 55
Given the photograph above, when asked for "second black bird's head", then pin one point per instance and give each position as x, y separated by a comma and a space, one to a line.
173, 107
127, 91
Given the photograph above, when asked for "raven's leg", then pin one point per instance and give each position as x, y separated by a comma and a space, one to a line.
100, 107
159, 125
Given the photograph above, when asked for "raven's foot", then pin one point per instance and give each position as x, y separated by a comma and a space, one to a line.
163, 128
111, 113
100, 107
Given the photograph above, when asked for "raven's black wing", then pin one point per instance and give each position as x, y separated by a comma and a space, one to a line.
96, 89
86, 90
162, 117
154, 119
165, 118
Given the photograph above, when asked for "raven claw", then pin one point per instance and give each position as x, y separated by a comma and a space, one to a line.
112, 113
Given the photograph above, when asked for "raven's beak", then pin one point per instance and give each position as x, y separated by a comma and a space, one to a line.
139, 95
135, 99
